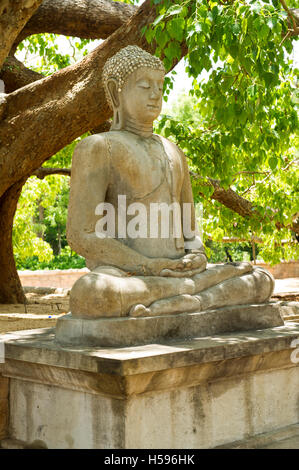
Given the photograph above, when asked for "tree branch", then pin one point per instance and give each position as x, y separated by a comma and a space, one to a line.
15, 75
238, 204
42, 172
92, 19
293, 18
52, 112
14, 14
89, 19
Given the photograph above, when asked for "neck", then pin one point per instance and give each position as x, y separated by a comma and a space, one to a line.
144, 130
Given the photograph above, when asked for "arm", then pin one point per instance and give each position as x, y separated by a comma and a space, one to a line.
192, 238
89, 183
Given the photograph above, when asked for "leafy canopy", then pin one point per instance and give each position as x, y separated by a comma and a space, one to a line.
243, 129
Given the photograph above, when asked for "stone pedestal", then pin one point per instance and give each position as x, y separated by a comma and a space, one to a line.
130, 331
200, 393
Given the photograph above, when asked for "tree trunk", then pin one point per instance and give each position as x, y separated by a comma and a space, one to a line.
14, 14
11, 290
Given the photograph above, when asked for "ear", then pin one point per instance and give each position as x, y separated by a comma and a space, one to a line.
113, 92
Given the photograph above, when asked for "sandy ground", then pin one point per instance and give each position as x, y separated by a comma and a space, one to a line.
287, 289
45, 305
40, 311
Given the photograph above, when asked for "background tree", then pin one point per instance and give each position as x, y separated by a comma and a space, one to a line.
241, 44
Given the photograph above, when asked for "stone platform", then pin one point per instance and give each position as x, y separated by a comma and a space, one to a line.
201, 393
130, 331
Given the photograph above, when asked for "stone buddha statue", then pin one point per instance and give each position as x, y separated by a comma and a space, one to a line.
143, 260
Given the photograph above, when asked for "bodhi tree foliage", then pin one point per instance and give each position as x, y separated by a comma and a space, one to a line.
246, 123
241, 137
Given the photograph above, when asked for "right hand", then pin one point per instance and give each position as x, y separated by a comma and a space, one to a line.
186, 266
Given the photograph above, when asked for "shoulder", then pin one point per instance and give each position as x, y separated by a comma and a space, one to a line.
171, 145
91, 152
90, 143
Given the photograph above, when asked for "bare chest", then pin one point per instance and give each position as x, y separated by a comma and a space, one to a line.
144, 169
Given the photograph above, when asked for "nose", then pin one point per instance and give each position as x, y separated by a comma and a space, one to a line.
155, 92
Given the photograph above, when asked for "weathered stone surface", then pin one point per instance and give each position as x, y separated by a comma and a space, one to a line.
12, 444
200, 393
283, 438
39, 347
17, 444
4, 417
128, 331
4, 387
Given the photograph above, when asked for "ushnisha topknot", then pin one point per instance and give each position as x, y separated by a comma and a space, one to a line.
124, 62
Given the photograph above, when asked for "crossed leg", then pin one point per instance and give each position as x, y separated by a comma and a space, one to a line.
254, 287
109, 292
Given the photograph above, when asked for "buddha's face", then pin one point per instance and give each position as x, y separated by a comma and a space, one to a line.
141, 96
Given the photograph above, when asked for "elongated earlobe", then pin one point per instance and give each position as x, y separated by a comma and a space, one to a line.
117, 121
112, 86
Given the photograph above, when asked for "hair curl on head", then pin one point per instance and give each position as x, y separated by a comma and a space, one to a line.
124, 62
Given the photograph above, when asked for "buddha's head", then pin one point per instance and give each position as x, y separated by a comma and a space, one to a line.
133, 81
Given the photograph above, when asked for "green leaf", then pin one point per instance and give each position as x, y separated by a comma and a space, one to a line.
173, 51
149, 34
269, 78
175, 28
174, 10
273, 161
251, 90
158, 20
162, 37
264, 31
235, 28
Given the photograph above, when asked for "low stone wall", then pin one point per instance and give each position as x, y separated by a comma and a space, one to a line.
51, 278
66, 278
282, 270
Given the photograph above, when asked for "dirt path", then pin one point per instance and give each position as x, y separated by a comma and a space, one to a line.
41, 310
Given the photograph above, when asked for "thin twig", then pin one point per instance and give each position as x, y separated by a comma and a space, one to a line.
285, 37
290, 14
269, 173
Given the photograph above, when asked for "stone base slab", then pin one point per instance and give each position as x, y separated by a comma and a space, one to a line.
129, 331
200, 393
282, 438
